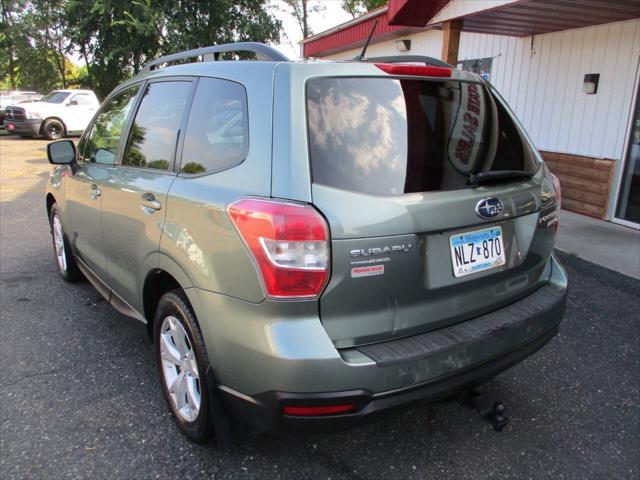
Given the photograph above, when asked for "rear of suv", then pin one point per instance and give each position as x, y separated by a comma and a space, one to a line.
309, 243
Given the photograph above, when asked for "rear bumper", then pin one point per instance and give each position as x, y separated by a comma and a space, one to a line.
264, 412
485, 347
23, 127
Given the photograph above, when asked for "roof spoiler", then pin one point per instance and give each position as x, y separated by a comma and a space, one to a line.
262, 51
434, 62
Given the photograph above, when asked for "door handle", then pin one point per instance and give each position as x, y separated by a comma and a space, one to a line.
149, 201
94, 191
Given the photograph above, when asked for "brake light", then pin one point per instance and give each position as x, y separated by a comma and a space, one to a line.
558, 189
311, 411
418, 70
558, 199
289, 243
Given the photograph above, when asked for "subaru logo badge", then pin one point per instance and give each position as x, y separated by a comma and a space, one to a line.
489, 207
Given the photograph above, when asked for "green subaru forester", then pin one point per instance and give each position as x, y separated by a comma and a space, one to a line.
309, 243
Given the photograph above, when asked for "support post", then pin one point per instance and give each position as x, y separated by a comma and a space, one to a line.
451, 41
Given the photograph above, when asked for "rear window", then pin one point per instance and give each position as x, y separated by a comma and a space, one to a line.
384, 136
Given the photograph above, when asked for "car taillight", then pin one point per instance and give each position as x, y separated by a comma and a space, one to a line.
418, 70
558, 189
290, 245
558, 199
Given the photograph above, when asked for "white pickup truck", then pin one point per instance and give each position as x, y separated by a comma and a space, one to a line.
59, 113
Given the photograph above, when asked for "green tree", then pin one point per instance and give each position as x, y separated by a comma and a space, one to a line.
45, 19
36, 55
193, 24
33, 46
357, 7
115, 38
11, 35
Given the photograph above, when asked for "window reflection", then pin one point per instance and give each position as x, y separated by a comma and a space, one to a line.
389, 137
151, 142
217, 135
101, 146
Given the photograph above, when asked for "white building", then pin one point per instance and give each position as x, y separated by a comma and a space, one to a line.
568, 68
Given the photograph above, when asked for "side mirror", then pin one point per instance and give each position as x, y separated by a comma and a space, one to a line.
72, 102
62, 152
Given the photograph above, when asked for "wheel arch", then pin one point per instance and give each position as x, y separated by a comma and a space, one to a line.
50, 201
156, 284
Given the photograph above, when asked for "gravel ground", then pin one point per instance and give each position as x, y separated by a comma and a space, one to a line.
80, 398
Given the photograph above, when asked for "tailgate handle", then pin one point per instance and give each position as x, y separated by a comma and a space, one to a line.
149, 201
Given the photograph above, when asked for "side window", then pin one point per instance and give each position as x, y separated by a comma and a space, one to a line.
82, 99
103, 140
154, 132
217, 135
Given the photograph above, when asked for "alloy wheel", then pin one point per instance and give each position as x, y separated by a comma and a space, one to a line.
58, 244
180, 369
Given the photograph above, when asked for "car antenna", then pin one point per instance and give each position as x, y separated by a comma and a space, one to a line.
364, 50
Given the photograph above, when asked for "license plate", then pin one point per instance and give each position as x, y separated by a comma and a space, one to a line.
473, 252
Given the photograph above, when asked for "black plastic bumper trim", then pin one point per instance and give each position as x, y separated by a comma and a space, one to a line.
463, 334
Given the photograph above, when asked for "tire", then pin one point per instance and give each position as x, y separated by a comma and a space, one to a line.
176, 335
53, 129
66, 263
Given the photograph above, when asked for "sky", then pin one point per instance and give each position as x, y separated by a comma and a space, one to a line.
331, 15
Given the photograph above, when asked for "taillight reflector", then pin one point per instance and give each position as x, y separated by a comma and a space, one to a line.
310, 411
289, 242
558, 198
417, 70
558, 189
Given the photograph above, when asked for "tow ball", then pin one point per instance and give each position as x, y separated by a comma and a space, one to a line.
489, 408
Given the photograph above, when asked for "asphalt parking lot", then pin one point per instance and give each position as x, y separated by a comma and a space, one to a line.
79, 395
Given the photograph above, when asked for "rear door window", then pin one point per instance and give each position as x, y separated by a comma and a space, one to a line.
217, 136
385, 136
154, 132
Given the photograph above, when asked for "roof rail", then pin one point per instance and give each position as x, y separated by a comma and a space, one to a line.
434, 62
260, 49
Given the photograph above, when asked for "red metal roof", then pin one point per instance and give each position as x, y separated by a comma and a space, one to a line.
353, 34
413, 13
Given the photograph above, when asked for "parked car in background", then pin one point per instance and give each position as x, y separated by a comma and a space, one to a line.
57, 114
309, 243
15, 97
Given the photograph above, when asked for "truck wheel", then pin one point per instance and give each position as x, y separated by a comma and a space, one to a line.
53, 129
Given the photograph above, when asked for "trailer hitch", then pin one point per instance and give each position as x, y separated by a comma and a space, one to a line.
490, 409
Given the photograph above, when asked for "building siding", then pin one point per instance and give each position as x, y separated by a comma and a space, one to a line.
541, 79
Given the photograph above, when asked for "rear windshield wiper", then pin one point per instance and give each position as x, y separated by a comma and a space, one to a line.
496, 176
